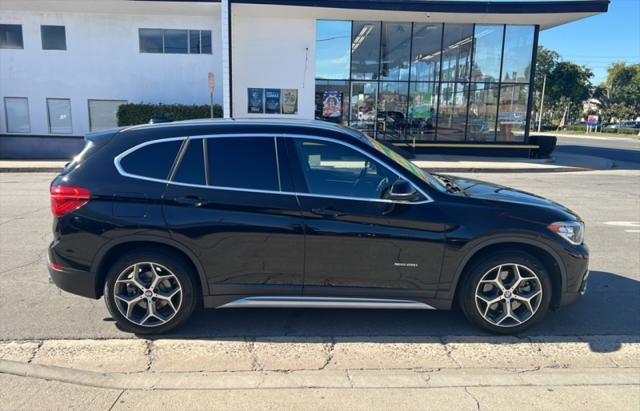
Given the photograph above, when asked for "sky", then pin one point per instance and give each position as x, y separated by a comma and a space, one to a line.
598, 41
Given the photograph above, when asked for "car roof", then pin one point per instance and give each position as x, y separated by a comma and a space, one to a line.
217, 125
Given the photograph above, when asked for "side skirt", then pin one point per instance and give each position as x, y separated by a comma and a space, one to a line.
325, 302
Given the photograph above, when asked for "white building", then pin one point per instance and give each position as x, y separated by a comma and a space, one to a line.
420, 73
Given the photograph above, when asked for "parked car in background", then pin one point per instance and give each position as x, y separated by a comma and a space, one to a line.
263, 213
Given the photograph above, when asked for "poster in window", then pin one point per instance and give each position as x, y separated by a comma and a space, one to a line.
421, 107
272, 100
289, 101
255, 101
332, 104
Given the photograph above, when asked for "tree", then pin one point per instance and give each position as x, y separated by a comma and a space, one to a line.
620, 94
568, 84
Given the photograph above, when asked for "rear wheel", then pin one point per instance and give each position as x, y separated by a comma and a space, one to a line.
506, 293
150, 292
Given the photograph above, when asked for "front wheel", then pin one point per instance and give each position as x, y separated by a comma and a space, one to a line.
150, 292
506, 293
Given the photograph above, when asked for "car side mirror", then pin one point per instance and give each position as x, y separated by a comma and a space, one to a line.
402, 190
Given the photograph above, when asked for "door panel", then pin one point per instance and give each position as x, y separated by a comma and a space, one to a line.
249, 240
358, 243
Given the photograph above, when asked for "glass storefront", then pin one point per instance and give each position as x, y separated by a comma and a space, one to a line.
422, 82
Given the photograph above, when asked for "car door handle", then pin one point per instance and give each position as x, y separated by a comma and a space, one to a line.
327, 212
193, 201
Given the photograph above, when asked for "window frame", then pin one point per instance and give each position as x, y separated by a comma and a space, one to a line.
64, 32
6, 115
49, 115
89, 111
276, 137
21, 38
189, 31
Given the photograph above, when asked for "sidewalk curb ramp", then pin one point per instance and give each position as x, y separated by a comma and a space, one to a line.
428, 378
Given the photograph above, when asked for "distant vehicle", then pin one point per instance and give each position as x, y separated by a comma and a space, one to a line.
630, 124
162, 218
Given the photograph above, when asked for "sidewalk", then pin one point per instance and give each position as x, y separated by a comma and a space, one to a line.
324, 373
431, 162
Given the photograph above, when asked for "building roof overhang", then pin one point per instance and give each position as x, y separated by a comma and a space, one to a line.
546, 14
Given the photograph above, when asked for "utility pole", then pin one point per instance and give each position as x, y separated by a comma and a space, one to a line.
544, 86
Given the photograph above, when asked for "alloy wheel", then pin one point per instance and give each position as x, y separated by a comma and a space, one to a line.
148, 294
508, 295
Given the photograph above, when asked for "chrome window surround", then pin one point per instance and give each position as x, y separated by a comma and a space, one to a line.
119, 157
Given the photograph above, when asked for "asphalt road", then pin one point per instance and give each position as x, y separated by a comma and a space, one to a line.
32, 308
624, 152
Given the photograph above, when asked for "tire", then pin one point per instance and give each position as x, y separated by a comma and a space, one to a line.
491, 299
167, 306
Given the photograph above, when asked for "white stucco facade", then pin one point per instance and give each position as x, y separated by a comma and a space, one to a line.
103, 59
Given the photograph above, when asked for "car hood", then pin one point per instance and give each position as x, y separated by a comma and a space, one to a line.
483, 190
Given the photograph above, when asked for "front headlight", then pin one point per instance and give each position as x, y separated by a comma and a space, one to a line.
572, 231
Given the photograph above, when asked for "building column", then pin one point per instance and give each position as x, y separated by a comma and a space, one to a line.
225, 20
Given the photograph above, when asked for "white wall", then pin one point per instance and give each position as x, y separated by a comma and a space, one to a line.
272, 51
103, 61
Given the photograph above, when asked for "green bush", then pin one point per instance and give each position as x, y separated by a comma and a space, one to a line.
576, 127
630, 131
131, 114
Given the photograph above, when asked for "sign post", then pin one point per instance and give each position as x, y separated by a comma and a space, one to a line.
592, 121
212, 86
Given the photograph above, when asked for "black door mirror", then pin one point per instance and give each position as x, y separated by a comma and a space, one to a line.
402, 190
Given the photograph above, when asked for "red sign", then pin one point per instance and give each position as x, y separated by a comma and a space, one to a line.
212, 82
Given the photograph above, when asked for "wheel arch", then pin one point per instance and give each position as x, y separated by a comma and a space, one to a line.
110, 252
541, 251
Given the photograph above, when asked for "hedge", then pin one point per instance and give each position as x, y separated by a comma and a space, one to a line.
131, 114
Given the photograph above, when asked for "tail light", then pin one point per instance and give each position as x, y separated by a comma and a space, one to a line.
66, 199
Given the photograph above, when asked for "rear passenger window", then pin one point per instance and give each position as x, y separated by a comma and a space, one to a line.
243, 162
191, 169
154, 160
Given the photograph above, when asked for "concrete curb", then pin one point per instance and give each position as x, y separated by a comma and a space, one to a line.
479, 377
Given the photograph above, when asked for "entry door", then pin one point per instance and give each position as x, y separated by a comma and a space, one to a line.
247, 234
358, 243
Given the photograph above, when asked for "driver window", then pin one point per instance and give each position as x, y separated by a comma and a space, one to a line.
334, 169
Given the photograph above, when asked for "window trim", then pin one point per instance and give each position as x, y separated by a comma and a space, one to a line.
275, 136
6, 115
42, 26
21, 37
89, 100
49, 115
164, 30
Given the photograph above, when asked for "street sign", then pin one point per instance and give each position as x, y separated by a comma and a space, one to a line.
592, 120
212, 82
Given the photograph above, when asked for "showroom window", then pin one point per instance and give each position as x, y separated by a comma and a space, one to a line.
59, 113
103, 114
53, 37
11, 36
413, 82
171, 41
16, 111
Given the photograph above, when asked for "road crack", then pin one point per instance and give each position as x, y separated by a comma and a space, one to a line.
466, 389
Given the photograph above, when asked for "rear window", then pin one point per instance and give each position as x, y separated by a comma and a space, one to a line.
153, 161
243, 162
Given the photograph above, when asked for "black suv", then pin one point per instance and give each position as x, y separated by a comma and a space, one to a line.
263, 213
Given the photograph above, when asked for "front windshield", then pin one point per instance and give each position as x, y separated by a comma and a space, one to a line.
404, 163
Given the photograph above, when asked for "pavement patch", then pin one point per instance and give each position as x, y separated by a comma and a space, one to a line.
201, 355
94, 355
18, 351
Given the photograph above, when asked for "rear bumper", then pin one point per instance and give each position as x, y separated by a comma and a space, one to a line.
74, 281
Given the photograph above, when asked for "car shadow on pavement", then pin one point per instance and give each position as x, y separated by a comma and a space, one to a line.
611, 307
